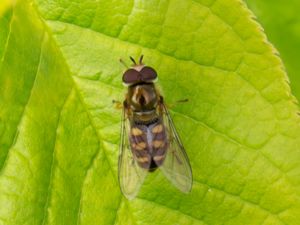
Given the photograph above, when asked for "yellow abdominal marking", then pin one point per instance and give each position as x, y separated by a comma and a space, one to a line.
142, 159
139, 146
157, 129
157, 144
158, 157
136, 131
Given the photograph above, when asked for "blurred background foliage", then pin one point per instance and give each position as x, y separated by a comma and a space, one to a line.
281, 22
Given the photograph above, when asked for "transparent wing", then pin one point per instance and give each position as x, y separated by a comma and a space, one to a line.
176, 166
131, 175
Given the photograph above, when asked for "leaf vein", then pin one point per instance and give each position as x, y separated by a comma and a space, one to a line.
8, 37
240, 199
231, 139
142, 46
96, 154
173, 209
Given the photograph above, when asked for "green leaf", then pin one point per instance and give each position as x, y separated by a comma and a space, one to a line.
281, 22
59, 131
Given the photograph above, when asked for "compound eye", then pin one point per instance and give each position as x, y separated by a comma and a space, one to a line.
148, 74
131, 76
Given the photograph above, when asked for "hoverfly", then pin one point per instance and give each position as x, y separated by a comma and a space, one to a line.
149, 139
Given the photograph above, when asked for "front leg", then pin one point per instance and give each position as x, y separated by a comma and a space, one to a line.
117, 104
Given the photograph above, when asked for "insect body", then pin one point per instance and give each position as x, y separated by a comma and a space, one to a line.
148, 136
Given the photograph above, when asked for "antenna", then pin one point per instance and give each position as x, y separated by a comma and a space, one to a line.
132, 59
123, 63
141, 59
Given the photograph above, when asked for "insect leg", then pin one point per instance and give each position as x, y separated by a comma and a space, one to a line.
117, 104
177, 102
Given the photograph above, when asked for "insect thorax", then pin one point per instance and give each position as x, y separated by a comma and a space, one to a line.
142, 97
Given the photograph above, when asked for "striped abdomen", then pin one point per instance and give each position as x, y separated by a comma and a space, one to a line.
149, 144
